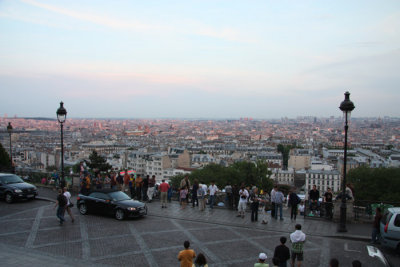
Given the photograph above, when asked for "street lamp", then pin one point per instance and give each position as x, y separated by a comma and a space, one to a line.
346, 106
9, 130
61, 117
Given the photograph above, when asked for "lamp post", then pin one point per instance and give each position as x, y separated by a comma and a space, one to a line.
61, 117
9, 130
346, 106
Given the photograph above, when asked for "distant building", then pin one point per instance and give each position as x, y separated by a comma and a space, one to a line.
323, 180
300, 159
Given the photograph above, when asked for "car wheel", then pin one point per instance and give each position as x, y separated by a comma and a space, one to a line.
119, 215
83, 208
9, 198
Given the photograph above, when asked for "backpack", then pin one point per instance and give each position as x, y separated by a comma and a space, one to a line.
298, 199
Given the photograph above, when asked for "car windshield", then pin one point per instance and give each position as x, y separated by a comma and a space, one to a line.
119, 196
10, 179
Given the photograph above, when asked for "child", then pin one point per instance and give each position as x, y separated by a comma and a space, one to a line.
297, 238
282, 253
183, 195
301, 208
187, 255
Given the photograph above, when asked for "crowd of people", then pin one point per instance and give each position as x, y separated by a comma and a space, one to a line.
198, 194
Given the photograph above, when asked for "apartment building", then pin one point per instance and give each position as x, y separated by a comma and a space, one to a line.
299, 159
323, 179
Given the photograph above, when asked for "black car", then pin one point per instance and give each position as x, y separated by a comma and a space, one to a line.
111, 202
12, 187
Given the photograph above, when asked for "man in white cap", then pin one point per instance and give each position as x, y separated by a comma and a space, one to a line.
261, 261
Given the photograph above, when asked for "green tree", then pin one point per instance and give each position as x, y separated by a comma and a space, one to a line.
375, 184
285, 154
176, 180
246, 172
98, 163
5, 162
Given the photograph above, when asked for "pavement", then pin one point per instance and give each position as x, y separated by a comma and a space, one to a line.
224, 216
30, 236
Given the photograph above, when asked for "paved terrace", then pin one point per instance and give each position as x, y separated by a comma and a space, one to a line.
31, 236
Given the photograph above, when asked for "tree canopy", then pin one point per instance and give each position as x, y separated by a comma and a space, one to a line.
98, 163
376, 184
247, 172
5, 162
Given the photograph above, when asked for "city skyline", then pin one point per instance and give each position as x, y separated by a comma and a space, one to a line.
191, 59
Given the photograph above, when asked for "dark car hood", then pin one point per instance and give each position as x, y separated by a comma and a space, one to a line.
21, 186
130, 203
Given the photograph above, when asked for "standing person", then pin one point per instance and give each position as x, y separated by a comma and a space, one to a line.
61, 203
145, 187
243, 196
164, 187
262, 257
201, 194
294, 200
113, 182
186, 182
205, 191
120, 181
125, 185
272, 196
200, 261
375, 227
132, 186
183, 195
98, 181
328, 199
195, 200
69, 205
314, 197
85, 185
187, 255
301, 208
213, 189
254, 204
297, 238
229, 194
150, 189
279, 199
282, 253
138, 186
169, 194
107, 181
235, 196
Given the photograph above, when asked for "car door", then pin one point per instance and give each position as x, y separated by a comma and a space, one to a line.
99, 202
395, 228
2, 187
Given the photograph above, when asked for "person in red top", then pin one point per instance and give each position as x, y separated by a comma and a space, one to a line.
187, 255
125, 185
163, 195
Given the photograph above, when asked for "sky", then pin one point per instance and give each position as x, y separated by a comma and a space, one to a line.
199, 59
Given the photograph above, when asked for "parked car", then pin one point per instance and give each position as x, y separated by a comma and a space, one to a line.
110, 202
390, 228
12, 188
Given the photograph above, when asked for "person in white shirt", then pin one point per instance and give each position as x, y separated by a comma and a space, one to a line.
69, 203
243, 196
213, 189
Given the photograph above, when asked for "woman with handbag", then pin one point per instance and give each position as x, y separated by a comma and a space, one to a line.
69, 203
